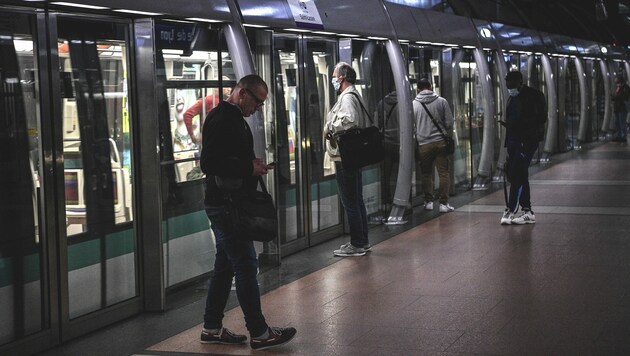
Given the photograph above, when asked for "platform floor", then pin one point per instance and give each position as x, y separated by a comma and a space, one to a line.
445, 284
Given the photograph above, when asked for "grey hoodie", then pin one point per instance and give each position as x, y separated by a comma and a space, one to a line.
426, 132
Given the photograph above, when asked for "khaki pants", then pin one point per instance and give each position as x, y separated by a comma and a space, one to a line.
433, 155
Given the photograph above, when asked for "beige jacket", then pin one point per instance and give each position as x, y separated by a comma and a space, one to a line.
344, 115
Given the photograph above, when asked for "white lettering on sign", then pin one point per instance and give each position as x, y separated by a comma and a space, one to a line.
305, 14
171, 36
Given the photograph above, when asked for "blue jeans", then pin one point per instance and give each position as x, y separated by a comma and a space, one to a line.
521, 155
234, 258
622, 125
350, 182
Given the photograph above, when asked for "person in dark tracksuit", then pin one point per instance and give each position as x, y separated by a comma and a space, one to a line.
525, 118
619, 99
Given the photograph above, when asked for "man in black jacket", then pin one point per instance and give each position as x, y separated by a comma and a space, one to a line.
525, 117
227, 159
619, 98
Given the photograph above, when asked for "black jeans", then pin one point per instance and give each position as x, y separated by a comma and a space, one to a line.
350, 182
234, 258
520, 155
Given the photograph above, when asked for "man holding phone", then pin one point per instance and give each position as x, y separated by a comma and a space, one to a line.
525, 118
228, 153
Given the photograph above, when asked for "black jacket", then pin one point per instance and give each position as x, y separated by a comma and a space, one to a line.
619, 97
525, 116
227, 151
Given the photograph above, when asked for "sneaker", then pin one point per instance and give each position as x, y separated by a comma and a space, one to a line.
277, 336
367, 247
224, 336
527, 217
507, 217
446, 208
428, 205
349, 250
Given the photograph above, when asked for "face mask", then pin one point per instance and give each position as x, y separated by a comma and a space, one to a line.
513, 92
336, 84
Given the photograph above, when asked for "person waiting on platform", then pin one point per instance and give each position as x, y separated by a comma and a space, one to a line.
620, 97
210, 101
429, 110
525, 117
347, 113
228, 153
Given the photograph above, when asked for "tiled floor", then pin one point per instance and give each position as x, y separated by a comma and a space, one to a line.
461, 284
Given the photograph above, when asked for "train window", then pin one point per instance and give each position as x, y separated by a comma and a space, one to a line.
197, 74
114, 122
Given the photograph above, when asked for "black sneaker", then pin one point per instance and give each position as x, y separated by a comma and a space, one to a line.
225, 336
277, 336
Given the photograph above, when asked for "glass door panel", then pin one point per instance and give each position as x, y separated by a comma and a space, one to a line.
319, 66
463, 76
97, 160
195, 77
310, 210
289, 147
24, 308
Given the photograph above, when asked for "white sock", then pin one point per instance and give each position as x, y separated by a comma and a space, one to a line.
212, 331
264, 335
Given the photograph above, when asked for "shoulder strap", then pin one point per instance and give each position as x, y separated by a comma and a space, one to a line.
389, 113
262, 185
432, 119
362, 107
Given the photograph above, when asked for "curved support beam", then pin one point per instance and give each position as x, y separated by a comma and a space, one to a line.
502, 69
607, 102
487, 146
583, 100
241, 54
405, 110
551, 137
626, 65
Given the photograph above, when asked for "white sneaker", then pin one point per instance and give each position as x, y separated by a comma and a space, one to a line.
507, 217
527, 217
446, 208
428, 205
348, 250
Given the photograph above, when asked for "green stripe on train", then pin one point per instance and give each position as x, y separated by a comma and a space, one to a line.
86, 253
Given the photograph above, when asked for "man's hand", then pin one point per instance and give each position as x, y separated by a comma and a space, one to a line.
260, 168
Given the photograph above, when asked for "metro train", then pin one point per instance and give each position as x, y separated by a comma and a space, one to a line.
102, 195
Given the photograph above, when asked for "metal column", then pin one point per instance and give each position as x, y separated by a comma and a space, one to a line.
607, 101
487, 146
583, 100
552, 108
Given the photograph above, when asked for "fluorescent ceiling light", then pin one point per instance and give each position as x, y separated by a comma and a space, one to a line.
136, 12
378, 38
348, 35
202, 19
84, 6
423, 42
324, 33
252, 25
403, 41
296, 30
172, 51
470, 47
